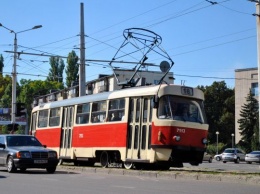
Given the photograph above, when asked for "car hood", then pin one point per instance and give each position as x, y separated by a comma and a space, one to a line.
29, 148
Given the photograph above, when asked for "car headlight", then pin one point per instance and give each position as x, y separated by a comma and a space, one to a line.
52, 155
23, 154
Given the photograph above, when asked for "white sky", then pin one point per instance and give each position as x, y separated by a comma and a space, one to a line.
206, 42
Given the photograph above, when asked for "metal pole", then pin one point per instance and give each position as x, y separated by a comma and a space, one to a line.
217, 141
14, 79
258, 60
232, 135
82, 76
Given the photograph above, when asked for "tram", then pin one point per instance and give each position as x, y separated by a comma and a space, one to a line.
157, 125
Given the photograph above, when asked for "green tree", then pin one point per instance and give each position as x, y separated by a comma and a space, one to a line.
72, 69
4, 82
220, 110
248, 122
35, 88
56, 70
255, 141
6, 99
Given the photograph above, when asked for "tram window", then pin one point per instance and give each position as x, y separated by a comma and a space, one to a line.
143, 137
43, 118
151, 109
177, 108
145, 110
136, 137
98, 111
82, 116
116, 109
131, 110
137, 112
54, 117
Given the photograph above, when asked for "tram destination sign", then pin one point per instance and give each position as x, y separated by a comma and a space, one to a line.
188, 91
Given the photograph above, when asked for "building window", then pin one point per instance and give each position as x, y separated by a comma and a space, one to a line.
254, 89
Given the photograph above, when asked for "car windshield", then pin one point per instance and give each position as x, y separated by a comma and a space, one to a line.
22, 141
255, 152
229, 151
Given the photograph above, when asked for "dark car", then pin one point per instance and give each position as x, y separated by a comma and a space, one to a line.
25, 151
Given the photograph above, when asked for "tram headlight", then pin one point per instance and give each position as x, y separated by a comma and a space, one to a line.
176, 138
204, 141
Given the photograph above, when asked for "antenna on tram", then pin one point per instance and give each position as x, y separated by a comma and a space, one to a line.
139, 44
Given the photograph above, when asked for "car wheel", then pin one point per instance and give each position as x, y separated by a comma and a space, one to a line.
10, 165
224, 161
51, 169
237, 160
249, 162
218, 158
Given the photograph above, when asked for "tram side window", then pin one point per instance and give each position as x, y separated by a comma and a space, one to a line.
54, 117
98, 111
116, 109
82, 116
43, 118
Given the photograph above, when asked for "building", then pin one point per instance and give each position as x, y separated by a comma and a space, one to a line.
245, 80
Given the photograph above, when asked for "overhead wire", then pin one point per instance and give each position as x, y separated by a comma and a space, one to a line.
153, 25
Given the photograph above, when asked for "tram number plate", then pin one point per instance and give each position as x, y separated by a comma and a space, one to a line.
187, 91
40, 161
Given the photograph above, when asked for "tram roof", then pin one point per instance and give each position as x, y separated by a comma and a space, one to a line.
128, 92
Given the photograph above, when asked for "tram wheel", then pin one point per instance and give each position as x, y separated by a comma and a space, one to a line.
104, 159
128, 165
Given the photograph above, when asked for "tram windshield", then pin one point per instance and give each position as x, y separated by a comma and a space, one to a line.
179, 108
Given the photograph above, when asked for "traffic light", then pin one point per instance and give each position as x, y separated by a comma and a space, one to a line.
20, 109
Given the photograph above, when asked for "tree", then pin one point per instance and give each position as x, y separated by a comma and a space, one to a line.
248, 122
4, 82
220, 111
72, 69
35, 88
56, 70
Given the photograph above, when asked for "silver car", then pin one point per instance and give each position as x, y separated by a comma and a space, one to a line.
233, 155
253, 156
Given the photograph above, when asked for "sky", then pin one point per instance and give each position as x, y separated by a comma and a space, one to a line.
207, 40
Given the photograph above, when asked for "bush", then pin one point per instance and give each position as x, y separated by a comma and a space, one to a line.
212, 148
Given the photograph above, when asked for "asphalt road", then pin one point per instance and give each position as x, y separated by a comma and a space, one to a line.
68, 181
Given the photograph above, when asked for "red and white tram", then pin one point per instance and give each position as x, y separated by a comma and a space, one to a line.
161, 125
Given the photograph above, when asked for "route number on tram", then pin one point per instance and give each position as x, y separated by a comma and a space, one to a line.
187, 91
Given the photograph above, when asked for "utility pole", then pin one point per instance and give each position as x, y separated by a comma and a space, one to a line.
82, 76
14, 74
257, 14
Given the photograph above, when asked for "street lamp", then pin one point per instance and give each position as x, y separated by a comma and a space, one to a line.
217, 133
14, 76
232, 135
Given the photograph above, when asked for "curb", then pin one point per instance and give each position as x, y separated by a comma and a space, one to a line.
173, 174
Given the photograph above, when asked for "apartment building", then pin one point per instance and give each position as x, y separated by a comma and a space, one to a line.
245, 80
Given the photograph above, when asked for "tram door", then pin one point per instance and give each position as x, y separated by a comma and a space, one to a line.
66, 132
139, 129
